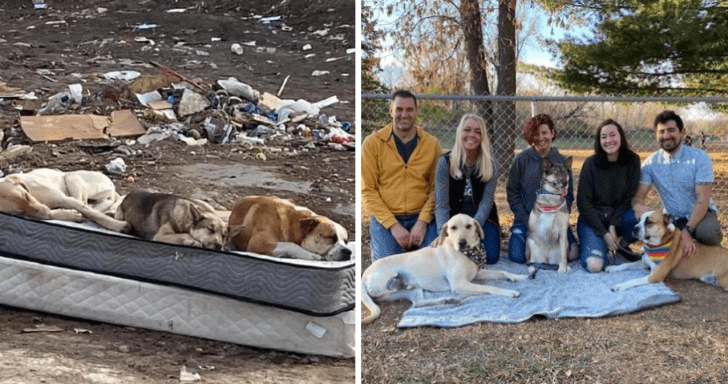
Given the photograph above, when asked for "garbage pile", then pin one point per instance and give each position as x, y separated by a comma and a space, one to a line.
174, 107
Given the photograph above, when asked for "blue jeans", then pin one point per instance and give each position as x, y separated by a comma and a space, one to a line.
492, 242
517, 242
384, 244
593, 245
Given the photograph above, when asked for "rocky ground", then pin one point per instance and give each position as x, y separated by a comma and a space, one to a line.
72, 42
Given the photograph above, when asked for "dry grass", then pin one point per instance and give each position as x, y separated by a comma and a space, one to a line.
678, 343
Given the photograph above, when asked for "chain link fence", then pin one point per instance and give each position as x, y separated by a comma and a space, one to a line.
576, 120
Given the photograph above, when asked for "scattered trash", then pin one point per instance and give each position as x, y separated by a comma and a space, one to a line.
56, 104
187, 376
13, 151
122, 123
76, 93
267, 20
192, 102
145, 26
39, 4
116, 166
237, 49
30, 106
237, 88
319, 73
122, 75
306, 47
43, 328
80, 331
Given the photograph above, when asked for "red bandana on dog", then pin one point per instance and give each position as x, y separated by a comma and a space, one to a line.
658, 253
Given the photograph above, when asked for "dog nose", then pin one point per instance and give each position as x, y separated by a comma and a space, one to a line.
462, 243
345, 254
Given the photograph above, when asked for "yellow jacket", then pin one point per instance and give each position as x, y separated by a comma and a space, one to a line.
391, 187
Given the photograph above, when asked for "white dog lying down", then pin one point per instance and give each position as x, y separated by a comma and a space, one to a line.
47, 194
440, 269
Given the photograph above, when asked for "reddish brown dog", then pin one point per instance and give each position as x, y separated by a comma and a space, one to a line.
272, 226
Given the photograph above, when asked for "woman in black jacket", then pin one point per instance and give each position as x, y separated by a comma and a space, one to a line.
607, 184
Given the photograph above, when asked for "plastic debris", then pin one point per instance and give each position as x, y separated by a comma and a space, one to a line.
76, 93
187, 376
56, 104
122, 75
192, 102
236, 88
116, 166
237, 49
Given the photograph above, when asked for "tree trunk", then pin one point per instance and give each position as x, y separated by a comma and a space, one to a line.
473, 32
505, 129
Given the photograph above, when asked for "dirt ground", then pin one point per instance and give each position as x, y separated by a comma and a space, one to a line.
677, 343
76, 42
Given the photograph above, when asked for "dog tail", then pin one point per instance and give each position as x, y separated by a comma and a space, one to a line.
374, 310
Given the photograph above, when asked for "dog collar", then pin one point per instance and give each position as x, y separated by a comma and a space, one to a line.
544, 191
657, 253
477, 255
550, 208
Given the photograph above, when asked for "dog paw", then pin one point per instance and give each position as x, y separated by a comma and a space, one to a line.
618, 288
126, 228
192, 242
564, 269
610, 268
511, 294
521, 277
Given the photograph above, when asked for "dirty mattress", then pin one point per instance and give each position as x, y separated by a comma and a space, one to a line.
249, 299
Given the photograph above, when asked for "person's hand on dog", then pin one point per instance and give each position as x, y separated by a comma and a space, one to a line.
611, 239
639, 209
401, 235
688, 244
417, 234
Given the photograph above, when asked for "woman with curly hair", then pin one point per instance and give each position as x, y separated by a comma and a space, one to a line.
524, 179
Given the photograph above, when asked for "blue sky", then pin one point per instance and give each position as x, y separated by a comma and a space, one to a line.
532, 52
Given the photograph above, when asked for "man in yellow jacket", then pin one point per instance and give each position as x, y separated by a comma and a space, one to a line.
398, 179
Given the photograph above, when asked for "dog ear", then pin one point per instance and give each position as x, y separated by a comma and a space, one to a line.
668, 219
235, 230
481, 233
196, 215
309, 224
443, 234
545, 163
568, 162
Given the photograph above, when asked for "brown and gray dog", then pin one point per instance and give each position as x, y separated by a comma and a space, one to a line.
438, 269
50, 194
548, 223
662, 240
172, 219
272, 226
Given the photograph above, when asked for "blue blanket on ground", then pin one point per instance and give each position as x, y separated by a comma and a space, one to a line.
550, 294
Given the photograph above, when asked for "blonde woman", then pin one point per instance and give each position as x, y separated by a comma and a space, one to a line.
465, 182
